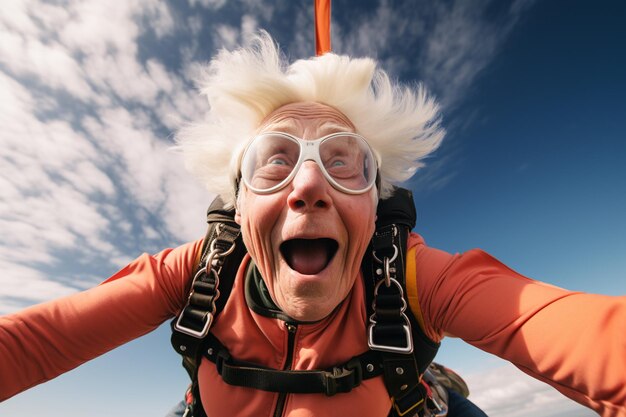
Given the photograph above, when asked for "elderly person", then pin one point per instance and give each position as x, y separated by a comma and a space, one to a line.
307, 210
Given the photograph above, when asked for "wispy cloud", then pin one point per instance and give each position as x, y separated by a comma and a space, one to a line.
507, 391
464, 40
210, 4
86, 174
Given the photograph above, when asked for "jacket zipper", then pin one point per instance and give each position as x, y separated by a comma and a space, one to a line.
291, 340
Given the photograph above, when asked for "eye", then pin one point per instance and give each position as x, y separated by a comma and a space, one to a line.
337, 163
277, 161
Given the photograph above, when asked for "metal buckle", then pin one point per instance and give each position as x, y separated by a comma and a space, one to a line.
408, 348
387, 348
393, 257
194, 333
398, 286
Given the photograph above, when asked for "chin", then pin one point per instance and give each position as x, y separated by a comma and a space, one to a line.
311, 314
309, 298
309, 308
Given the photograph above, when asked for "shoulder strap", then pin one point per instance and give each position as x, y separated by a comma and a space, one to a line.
222, 252
221, 255
393, 329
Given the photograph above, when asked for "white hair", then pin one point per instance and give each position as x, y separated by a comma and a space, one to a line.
401, 123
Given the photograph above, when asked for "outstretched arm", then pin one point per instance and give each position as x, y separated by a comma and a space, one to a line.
46, 340
573, 341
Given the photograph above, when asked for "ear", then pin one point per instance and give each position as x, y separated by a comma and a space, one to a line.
236, 202
237, 211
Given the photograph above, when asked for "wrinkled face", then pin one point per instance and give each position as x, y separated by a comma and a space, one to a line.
308, 238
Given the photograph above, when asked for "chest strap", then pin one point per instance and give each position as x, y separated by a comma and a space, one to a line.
338, 379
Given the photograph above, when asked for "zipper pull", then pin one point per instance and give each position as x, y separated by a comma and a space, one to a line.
291, 328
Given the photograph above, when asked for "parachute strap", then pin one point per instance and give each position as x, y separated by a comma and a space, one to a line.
193, 323
322, 26
338, 379
389, 329
219, 260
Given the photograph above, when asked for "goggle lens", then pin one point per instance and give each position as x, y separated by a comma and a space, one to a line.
272, 159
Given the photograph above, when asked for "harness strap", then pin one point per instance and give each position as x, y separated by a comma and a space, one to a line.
205, 299
338, 379
194, 321
390, 329
196, 317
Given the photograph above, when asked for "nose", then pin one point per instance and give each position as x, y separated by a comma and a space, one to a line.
309, 188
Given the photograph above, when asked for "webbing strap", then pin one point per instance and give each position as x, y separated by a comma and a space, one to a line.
193, 323
390, 330
340, 378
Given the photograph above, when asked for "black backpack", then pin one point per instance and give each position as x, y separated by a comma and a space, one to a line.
399, 349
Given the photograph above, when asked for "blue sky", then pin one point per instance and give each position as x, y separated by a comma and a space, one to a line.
91, 93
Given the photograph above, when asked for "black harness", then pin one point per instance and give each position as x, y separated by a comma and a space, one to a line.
399, 349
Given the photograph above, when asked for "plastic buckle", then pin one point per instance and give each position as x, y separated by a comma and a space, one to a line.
191, 332
407, 348
343, 379
355, 365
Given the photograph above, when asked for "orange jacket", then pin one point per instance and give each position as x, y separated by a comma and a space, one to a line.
575, 342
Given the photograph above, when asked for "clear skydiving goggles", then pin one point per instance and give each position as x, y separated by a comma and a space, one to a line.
272, 159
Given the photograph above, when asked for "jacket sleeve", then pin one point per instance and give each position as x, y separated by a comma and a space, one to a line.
574, 341
48, 339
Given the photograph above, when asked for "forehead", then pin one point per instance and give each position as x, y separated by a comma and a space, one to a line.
307, 119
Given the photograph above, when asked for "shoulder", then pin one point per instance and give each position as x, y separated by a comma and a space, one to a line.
428, 261
182, 257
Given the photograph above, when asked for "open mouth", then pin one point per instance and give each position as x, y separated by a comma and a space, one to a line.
308, 256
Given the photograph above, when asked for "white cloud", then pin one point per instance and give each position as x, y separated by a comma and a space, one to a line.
195, 25
50, 63
228, 36
14, 17
210, 4
462, 43
186, 205
249, 27
161, 20
508, 392
21, 284
86, 177
261, 8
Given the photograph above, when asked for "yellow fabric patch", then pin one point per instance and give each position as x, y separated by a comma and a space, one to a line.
411, 287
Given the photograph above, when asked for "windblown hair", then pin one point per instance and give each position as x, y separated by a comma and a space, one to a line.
401, 123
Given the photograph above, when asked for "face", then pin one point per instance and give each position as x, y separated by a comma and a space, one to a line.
308, 238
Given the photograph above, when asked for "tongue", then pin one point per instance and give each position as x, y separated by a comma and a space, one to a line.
308, 258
